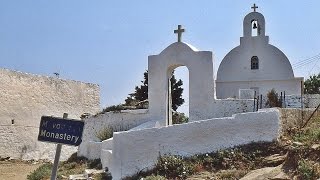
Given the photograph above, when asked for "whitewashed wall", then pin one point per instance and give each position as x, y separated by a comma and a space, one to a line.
90, 146
24, 98
231, 89
137, 150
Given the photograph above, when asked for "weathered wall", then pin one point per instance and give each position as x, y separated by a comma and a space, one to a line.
127, 119
137, 150
26, 97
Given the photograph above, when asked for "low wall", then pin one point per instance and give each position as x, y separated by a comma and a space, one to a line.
228, 107
294, 101
93, 125
134, 151
222, 108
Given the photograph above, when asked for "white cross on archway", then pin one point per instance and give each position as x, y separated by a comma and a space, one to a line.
179, 31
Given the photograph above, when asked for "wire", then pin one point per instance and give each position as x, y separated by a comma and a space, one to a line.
306, 61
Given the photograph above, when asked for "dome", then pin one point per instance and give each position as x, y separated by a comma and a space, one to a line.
273, 64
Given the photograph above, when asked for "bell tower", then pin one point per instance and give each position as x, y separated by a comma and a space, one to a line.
254, 21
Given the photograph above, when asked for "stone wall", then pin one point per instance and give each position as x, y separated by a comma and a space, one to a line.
26, 97
134, 151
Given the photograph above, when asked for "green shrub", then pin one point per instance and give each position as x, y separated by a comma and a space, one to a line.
174, 167
43, 172
107, 131
308, 136
272, 99
75, 158
306, 170
114, 108
94, 164
102, 176
179, 118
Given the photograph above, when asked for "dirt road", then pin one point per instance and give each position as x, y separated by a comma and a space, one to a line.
10, 170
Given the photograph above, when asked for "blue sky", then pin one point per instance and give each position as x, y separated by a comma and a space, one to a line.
108, 42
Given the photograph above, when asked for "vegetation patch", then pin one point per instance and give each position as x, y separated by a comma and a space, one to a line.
107, 132
43, 172
74, 165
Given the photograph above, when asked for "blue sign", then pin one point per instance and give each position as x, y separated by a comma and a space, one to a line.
58, 130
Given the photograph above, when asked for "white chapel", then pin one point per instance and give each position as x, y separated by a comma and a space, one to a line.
255, 64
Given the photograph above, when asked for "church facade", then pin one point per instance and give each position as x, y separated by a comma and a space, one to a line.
255, 64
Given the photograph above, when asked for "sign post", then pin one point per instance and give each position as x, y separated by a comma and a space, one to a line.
57, 156
60, 131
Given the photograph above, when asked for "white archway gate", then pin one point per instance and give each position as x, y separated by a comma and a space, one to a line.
201, 80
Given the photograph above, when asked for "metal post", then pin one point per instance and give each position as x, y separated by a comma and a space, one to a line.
254, 101
302, 105
281, 99
260, 101
284, 99
257, 103
57, 156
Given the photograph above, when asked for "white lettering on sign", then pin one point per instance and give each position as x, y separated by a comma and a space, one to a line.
44, 124
63, 136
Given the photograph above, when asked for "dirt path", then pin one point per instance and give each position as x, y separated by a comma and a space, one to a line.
16, 170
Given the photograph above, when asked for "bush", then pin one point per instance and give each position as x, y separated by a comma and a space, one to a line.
306, 170
113, 108
179, 118
107, 131
43, 172
94, 164
75, 158
174, 167
273, 100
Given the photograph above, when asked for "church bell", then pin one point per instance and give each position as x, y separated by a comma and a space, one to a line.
255, 25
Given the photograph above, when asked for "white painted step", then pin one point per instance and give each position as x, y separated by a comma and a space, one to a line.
107, 144
106, 158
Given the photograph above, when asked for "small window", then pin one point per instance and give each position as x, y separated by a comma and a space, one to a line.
254, 62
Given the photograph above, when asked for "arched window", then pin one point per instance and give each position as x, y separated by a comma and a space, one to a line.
254, 62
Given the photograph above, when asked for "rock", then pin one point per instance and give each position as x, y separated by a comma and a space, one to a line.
274, 173
275, 159
90, 172
77, 177
297, 143
315, 146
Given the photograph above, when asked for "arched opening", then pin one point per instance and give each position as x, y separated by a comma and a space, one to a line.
255, 28
254, 62
178, 96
